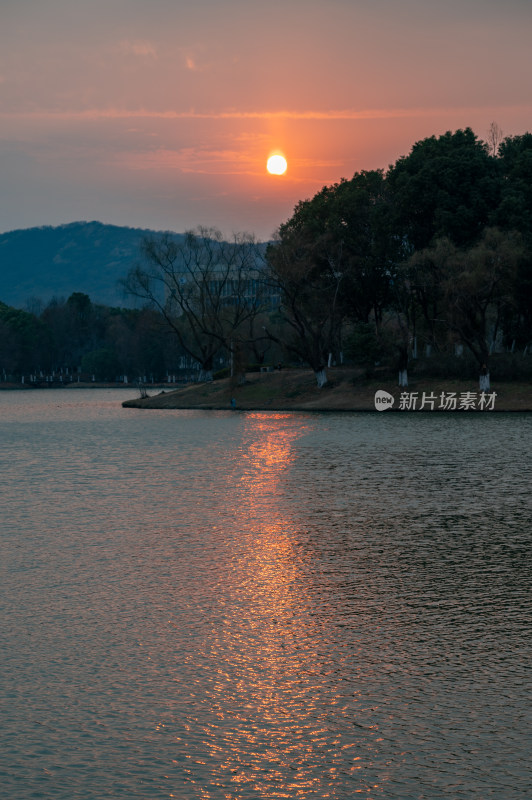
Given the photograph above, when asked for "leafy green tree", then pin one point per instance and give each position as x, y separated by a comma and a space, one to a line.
448, 186
334, 260
350, 227
478, 284
363, 347
80, 305
362, 215
515, 209
77, 327
24, 341
307, 272
421, 285
139, 338
102, 363
515, 213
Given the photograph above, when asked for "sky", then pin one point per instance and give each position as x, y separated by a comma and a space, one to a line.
162, 114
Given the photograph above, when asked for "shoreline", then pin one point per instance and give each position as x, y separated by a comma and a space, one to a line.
293, 389
23, 387
347, 391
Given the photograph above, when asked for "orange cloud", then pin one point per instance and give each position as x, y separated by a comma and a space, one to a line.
332, 115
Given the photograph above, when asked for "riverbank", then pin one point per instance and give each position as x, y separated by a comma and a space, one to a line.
8, 386
348, 390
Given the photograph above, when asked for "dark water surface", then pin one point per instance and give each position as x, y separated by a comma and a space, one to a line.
262, 605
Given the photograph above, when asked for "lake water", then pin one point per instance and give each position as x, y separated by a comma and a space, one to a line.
238, 605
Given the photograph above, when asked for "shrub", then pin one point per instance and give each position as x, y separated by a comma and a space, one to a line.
222, 373
103, 364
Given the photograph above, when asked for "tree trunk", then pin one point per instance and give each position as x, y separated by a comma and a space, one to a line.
238, 367
484, 379
403, 366
321, 376
484, 382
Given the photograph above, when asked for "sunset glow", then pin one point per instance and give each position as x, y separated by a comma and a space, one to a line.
160, 124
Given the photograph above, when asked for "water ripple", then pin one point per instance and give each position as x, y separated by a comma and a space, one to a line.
229, 606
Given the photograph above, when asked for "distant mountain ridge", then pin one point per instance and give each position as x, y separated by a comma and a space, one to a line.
47, 262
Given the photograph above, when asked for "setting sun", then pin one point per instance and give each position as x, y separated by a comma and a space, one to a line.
277, 165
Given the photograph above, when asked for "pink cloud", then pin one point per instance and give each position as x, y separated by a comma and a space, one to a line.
277, 114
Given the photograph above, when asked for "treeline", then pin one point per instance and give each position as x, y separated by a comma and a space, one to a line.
74, 338
427, 265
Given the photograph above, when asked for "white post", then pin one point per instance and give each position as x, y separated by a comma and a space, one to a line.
403, 377
484, 382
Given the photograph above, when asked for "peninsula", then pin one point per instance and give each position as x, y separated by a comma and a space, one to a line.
296, 390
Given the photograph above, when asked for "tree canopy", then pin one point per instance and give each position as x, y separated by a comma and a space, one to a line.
447, 186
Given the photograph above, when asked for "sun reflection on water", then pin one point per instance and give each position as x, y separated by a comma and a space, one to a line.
271, 698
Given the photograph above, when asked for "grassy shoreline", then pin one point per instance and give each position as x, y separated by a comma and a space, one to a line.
296, 390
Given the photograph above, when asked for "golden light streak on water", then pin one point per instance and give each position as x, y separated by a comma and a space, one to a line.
270, 704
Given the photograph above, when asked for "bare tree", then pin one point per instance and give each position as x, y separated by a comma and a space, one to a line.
494, 139
205, 288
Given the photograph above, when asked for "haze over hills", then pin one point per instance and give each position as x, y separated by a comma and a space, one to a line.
46, 262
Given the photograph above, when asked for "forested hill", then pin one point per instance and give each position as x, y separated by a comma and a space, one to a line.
48, 262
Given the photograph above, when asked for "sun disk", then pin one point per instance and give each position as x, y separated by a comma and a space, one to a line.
276, 165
